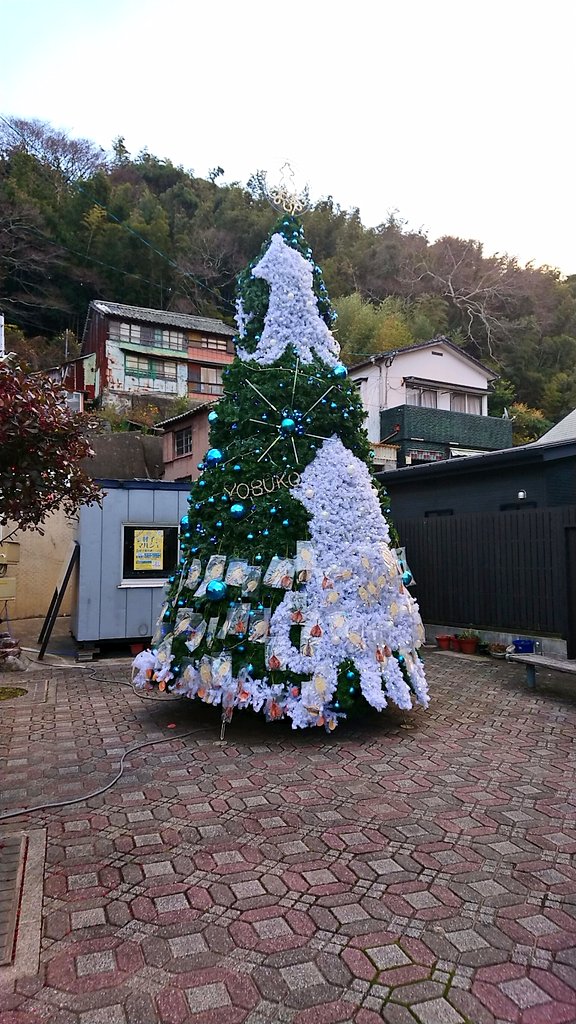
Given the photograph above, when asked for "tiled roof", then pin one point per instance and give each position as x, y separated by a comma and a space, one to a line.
565, 430
194, 408
162, 316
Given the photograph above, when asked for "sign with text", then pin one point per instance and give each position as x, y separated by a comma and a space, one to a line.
148, 550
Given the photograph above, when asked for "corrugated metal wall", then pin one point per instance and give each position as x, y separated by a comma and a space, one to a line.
497, 570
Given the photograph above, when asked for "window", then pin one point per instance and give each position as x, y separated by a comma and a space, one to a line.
206, 379
123, 332
462, 402
424, 397
163, 338
219, 343
145, 334
149, 552
144, 366
75, 401
182, 441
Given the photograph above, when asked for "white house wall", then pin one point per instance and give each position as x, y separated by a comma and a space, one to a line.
384, 387
119, 381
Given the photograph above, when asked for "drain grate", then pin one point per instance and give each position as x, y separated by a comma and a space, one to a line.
12, 862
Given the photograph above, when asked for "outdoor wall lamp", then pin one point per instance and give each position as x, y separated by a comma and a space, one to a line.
521, 495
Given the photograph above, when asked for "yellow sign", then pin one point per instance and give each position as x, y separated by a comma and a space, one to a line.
148, 549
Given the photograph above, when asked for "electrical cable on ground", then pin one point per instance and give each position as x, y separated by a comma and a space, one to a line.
103, 789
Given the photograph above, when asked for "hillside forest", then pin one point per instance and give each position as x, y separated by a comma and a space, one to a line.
77, 223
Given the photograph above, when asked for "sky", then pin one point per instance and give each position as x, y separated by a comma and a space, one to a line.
456, 114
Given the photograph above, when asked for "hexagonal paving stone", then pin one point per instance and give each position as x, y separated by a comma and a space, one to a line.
379, 874
436, 1011
387, 956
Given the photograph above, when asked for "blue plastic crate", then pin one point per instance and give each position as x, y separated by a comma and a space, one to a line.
522, 645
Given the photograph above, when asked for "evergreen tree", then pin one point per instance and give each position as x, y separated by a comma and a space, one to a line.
288, 597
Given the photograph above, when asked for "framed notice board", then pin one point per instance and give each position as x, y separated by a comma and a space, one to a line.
149, 552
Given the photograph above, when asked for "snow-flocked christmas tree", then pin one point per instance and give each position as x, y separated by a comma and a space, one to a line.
288, 597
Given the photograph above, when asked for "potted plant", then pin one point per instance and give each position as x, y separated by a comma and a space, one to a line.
444, 642
497, 650
455, 643
468, 641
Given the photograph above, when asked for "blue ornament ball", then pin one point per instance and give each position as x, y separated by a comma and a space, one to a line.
288, 425
340, 371
406, 577
213, 457
237, 510
184, 521
216, 590
213, 417
236, 468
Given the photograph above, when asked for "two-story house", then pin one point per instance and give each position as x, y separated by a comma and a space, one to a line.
426, 403
154, 353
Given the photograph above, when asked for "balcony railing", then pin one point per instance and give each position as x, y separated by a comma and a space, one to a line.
444, 427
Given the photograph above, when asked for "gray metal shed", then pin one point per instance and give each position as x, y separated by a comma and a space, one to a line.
128, 548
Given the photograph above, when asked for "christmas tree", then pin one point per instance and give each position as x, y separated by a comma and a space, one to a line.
288, 597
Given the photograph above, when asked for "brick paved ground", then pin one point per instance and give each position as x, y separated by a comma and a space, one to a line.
409, 870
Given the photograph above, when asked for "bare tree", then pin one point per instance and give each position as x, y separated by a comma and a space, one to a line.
73, 159
486, 291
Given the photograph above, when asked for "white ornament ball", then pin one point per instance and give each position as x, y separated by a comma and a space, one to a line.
310, 492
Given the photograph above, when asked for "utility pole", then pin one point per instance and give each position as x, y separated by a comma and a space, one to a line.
2, 350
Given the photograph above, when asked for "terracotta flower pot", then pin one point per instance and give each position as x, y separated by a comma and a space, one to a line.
468, 644
443, 642
454, 643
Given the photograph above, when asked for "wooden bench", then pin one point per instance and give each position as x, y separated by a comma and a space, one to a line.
534, 661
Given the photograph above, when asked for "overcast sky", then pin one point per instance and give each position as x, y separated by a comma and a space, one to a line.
458, 115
